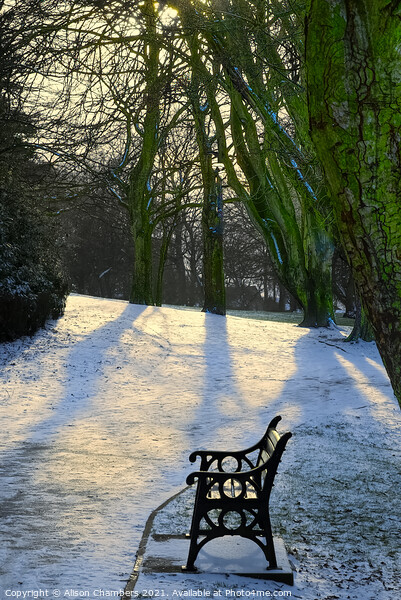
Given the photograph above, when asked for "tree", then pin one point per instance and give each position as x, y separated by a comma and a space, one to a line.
212, 209
267, 141
104, 95
138, 196
32, 288
354, 97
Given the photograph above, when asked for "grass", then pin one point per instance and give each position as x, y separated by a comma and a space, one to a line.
261, 315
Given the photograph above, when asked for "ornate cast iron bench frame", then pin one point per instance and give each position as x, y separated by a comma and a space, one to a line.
236, 501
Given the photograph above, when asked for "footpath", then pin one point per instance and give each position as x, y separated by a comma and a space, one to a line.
229, 567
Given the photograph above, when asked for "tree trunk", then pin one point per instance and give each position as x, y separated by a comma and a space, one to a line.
300, 249
180, 264
139, 196
362, 329
212, 210
162, 262
142, 283
317, 301
354, 97
282, 300
350, 303
212, 228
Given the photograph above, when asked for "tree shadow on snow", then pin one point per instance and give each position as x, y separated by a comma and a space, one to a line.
216, 418
90, 358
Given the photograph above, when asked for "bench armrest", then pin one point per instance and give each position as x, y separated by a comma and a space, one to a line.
209, 456
252, 475
222, 477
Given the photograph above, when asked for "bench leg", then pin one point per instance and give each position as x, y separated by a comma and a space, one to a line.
269, 548
193, 546
192, 554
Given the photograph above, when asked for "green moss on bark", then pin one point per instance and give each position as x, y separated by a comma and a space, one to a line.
354, 96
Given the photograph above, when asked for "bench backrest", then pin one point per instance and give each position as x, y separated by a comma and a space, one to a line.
271, 449
268, 445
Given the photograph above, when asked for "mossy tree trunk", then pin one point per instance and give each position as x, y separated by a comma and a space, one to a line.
212, 231
139, 197
212, 209
354, 96
362, 329
318, 257
300, 249
141, 228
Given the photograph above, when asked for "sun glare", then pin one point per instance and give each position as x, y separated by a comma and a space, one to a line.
168, 14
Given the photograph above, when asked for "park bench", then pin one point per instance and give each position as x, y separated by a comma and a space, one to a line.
233, 492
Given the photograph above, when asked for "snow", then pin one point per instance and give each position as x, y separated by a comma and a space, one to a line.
100, 411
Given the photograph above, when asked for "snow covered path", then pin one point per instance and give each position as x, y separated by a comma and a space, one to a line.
99, 412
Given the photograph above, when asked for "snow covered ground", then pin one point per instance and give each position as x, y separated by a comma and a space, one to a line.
99, 412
